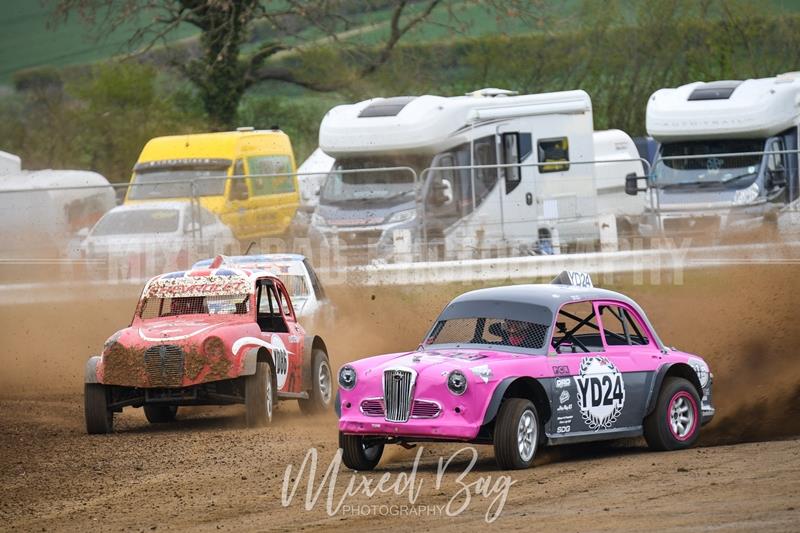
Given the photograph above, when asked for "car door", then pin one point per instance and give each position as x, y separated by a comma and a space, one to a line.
280, 334
295, 340
596, 388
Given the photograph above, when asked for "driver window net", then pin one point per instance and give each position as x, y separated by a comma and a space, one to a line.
489, 331
238, 304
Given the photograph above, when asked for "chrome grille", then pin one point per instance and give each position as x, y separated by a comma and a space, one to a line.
164, 365
397, 391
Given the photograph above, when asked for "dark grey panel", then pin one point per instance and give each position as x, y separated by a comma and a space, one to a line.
715, 90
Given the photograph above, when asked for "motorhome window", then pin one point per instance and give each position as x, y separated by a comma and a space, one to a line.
378, 182
703, 163
485, 153
511, 156
553, 150
168, 183
263, 165
138, 221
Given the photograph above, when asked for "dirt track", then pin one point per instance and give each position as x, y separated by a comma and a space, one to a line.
208, 471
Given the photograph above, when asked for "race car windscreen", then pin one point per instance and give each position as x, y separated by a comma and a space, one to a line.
489, 331
233, 304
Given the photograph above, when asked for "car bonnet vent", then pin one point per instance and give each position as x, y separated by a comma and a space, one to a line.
386, 107
715, 90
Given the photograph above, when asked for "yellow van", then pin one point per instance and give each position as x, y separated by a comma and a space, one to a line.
252, 207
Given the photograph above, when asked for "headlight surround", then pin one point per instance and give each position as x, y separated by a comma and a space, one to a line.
746, 196
403, 216
347, 377
457, 382
213, 347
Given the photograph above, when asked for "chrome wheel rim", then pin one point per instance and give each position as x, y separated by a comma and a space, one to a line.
527, 435
325, 382
681, 417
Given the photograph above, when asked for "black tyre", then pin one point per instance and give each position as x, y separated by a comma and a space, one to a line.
321, 394
675, 422
516, 434
359, 453
99, 418
160, 414
259, 396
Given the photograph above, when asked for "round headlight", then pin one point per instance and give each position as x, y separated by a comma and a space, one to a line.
457, 382
347, 377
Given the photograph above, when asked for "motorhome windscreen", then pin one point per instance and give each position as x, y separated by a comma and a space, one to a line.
698, 163
149, 184
489, 331
375, 183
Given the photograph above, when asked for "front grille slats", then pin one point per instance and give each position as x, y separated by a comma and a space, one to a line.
397, 385
419, 408
164, 365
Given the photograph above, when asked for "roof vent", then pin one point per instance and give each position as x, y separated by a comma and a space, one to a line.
386, 107
245, 128
492, 92
715, 90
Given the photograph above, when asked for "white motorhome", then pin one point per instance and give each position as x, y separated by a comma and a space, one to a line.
728, 155
505, 174
43, 210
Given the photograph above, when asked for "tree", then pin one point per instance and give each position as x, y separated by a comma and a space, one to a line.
221, 70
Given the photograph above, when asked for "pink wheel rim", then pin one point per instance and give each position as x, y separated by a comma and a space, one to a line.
682, 416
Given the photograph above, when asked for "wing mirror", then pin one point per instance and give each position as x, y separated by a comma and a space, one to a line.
632, 184
777, 177
442, 192
238, 190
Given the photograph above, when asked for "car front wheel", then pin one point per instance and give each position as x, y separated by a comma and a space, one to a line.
259, 397
516, 436
99, 418
322, 385
360, 453
675, 422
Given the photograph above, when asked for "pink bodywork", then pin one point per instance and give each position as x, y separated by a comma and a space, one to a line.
461, 417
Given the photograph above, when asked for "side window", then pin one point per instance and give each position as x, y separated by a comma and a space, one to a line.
267, 303
775, 164
485, 153
283, 301
620, 328
265, 165
576, 329
510, 156
553, 150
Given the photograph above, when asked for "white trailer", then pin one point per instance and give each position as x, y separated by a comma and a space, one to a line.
489, 172
728, 156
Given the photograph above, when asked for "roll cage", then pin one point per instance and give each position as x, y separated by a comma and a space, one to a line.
632, 334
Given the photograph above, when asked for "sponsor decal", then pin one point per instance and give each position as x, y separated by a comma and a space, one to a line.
601, 392
563, 382
564, 397
561, 370
564, 419
567, 407
281, 357
563, 429
701, 369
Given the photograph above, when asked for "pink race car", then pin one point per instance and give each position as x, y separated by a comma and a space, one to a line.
215, 335
522, 366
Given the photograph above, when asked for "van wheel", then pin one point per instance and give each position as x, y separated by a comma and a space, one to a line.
675, 422
322, 385
99, 418
258, 396
359, 453
516, 436
160, 414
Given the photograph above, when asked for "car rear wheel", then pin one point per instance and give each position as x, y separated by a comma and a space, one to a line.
259, 396
99, 418
516, 435
360, 453
675, 422
322, 385
160, 414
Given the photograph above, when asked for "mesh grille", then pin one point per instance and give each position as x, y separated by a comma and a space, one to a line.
397, 394
164, 365
419, 409
489, 331
236, 304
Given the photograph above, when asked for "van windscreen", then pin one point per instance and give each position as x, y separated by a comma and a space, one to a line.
177, 183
